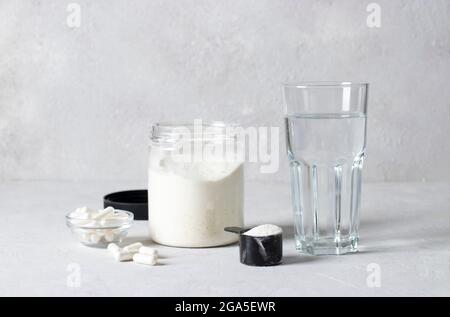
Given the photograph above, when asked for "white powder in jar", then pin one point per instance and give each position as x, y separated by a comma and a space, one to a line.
264, 230
190, 204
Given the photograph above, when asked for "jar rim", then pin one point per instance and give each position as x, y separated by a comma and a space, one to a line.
171, 130
175, 124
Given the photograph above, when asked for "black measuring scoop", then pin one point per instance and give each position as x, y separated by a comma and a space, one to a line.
259, 251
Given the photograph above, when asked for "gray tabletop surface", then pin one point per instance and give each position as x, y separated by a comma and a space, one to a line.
404, 231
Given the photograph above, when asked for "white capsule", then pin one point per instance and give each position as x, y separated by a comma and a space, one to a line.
109, 236
113, 219
80, 213
109, 209
144, 259
95, 238
112, 247
110, 222
119, 215
122, 255
148, 251
105, 213
134, 247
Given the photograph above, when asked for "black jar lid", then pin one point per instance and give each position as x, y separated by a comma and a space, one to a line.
135, 201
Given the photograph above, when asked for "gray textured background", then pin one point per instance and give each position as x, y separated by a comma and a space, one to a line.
77, 103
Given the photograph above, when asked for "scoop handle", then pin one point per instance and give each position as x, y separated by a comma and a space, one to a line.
237, 230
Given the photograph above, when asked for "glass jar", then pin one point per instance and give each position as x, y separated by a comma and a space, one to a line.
195, 184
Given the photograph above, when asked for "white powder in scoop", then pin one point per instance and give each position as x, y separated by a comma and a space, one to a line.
264, 230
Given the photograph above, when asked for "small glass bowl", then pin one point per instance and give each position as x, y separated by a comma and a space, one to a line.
100, 233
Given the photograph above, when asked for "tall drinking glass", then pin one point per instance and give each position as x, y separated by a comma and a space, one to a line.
326, 140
